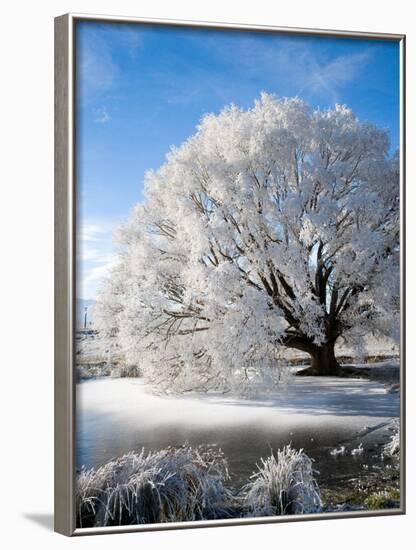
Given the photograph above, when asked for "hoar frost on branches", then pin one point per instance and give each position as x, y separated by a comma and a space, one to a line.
269, 228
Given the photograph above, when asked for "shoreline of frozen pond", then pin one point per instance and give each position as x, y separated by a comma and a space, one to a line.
115, 416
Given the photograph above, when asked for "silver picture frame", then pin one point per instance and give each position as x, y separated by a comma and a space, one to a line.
65, 272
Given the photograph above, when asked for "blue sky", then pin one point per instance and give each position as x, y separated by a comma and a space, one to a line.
143, 88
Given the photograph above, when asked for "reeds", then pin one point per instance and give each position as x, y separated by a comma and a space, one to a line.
284, 484
171, 485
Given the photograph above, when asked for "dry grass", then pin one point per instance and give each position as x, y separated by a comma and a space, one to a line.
182, 484
284, 484
188, 484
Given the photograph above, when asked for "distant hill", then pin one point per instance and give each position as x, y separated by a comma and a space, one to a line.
81, 304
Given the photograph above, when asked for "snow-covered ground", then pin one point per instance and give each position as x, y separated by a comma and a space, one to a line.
304, 401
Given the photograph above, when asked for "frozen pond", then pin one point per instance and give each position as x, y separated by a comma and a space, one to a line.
316, 414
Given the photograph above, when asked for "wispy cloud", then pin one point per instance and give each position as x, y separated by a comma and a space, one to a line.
99, 70
92, 231
91, 280
132, 39
290, 64
95, 256
329, 78
102, 116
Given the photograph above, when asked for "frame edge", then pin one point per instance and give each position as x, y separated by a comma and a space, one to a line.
227, 25
403, 321
63, 314
64, 399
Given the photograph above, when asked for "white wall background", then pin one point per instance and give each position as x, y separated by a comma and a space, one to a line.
26, 273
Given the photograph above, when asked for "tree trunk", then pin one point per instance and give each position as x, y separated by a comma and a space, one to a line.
323, 362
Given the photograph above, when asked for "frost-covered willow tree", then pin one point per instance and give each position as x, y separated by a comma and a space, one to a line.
271, 228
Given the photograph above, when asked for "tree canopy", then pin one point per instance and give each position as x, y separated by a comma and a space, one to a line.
269, 228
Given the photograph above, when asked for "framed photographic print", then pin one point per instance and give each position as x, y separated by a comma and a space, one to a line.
229, 274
